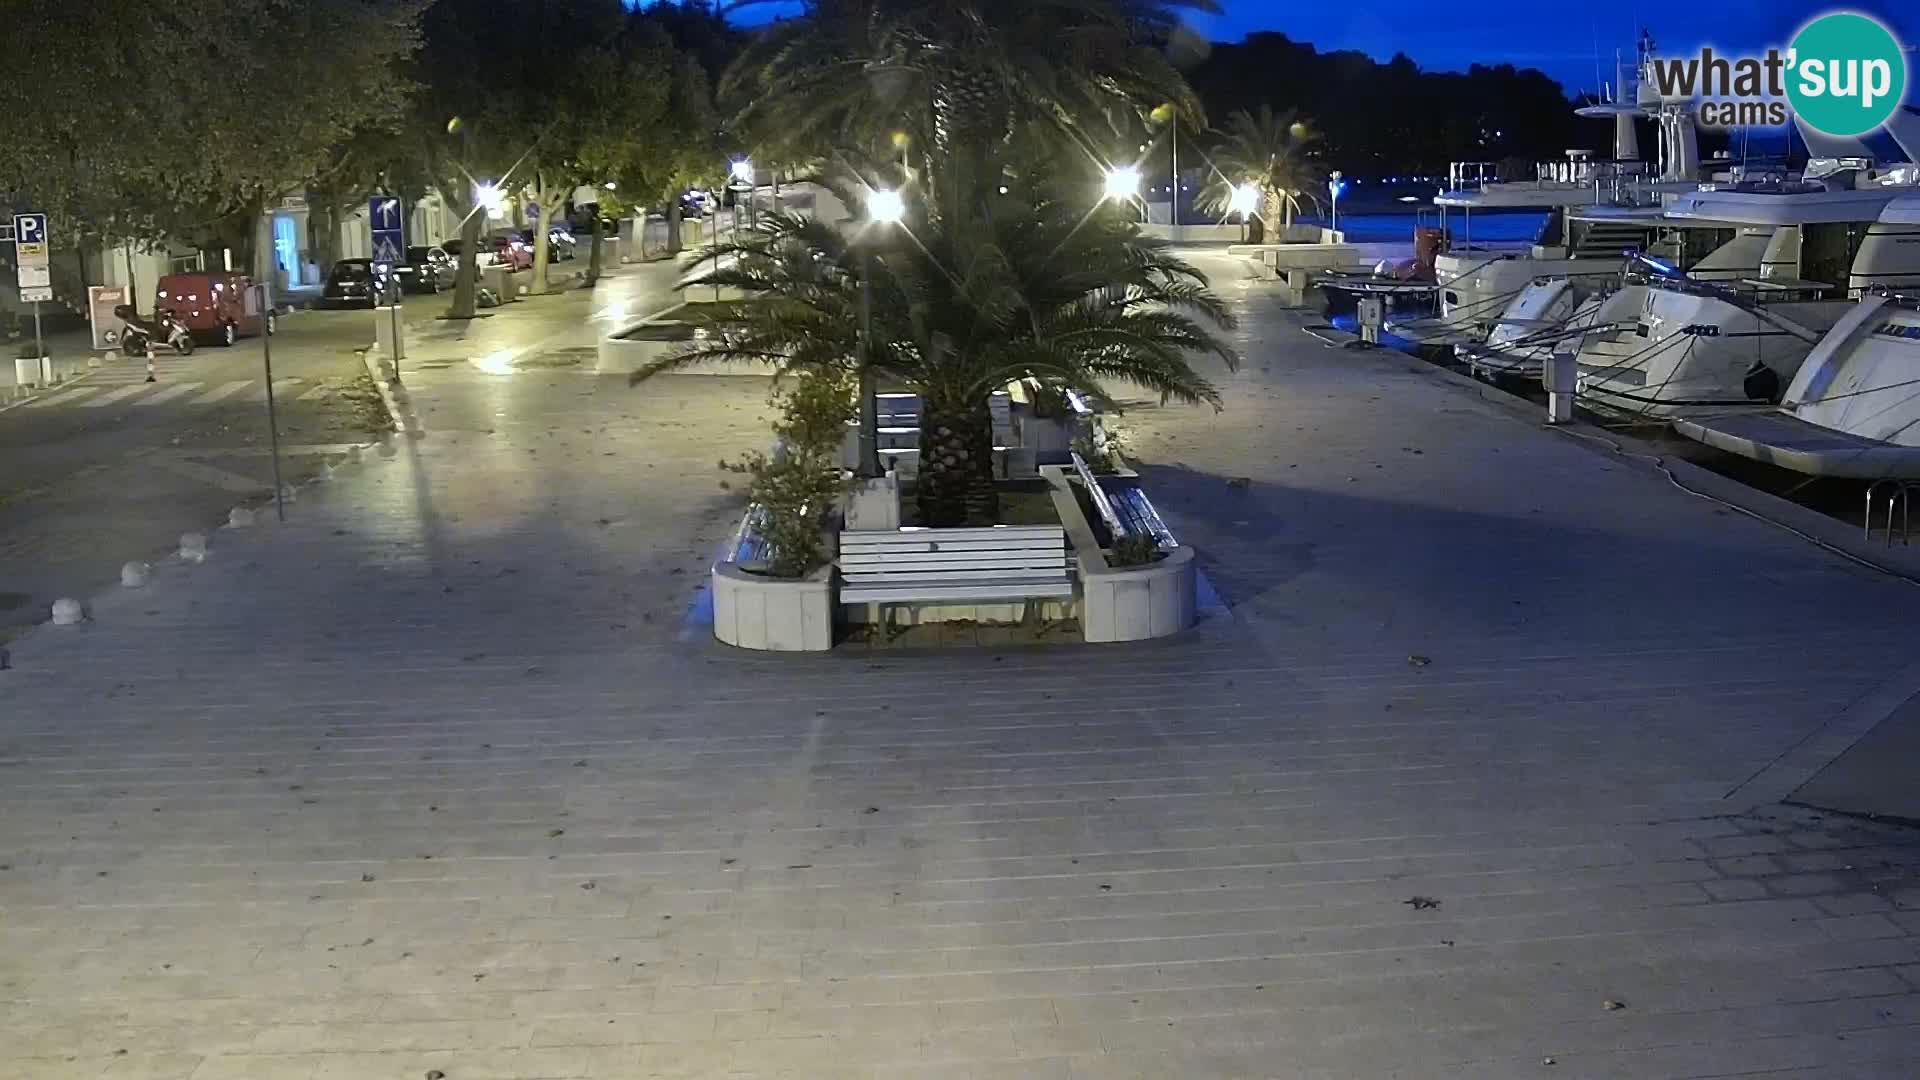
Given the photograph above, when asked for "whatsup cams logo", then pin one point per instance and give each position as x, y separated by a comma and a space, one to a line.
1843, 74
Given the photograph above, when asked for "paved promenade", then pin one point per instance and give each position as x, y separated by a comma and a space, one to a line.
1480, 778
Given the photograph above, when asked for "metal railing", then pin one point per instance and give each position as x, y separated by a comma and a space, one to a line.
1898, 494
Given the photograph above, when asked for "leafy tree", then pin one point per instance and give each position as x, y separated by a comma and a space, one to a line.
1268, 150
130, 138
976, 289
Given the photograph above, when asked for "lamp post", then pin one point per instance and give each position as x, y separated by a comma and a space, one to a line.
742, 172
1334, 187
884, 209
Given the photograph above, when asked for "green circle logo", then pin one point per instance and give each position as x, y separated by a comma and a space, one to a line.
1846, 74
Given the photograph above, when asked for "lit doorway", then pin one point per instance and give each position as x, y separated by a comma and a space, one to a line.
286, 248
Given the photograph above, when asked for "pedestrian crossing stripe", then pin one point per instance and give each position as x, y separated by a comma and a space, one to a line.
222, 391
112, 396
171, 392
62, 397
100, 396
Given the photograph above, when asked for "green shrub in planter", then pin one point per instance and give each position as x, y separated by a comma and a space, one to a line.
797, 485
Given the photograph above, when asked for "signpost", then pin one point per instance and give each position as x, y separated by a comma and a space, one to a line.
388, 226
273, 420
34, 272
389, 230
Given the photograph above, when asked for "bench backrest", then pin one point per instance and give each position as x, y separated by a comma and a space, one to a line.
1005, 551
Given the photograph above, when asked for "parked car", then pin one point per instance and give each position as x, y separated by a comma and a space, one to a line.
353, 283
560, 243
427, 270
214, 305
512, 252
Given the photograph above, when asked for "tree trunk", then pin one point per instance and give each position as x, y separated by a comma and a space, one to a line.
542, 250
466, 280
955, 484
593, 256
673, 225
323, 225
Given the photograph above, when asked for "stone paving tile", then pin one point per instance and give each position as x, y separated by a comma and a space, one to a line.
432, 778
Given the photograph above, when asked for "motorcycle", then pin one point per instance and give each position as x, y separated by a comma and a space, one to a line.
166, 329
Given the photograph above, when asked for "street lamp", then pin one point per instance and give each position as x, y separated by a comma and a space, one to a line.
885, 208
1244, 200
1335, 186
742, 174
1122, 182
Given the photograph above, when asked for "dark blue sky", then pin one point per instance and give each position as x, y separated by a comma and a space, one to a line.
1557, 36
1554, 35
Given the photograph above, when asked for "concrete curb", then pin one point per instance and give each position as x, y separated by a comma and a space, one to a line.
82, 376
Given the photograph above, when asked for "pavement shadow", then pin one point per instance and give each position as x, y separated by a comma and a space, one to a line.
1637, 561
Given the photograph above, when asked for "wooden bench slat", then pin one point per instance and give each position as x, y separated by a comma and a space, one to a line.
958, 591
998, 573
864, 560
1036, 544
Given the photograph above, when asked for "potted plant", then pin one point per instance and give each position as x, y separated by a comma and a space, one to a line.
780, 597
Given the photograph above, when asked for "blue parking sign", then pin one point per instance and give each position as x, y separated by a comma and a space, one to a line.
30, 228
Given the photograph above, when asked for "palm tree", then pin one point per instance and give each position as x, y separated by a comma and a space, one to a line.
1269, 151
952, 74
975, 290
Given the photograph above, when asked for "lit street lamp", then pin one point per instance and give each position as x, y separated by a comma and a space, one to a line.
1244, 201
1122, 182
885, 208
1335, 186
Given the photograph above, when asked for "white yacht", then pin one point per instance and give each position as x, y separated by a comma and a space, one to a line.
1556, 313
1478, 282
1853, 408
1697, 347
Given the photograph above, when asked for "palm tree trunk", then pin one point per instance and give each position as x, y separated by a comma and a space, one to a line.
955, 485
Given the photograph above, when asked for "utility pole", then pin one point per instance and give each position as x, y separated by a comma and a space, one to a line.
1173, 207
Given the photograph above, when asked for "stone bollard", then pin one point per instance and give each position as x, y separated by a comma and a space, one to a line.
286, 493
134, 575
354, 455
239, 518
326, 472
66, 612
193, 547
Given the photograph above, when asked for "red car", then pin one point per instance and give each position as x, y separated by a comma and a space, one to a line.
510, 252
221, 306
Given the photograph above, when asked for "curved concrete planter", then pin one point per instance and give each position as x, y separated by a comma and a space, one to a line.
1133, 603
774, 614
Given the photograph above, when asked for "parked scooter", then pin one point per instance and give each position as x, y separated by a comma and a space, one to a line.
166, 330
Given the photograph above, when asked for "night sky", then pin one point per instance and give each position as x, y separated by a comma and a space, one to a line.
1556, 36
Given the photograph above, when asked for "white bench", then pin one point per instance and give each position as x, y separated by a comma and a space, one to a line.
925, 566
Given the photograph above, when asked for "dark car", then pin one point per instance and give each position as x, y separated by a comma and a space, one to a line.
353, 283
427, 270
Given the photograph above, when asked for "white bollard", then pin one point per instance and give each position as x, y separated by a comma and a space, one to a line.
193, 547
326, 472
286, 493
134, 574
1561, 376
66, 612
239, 518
